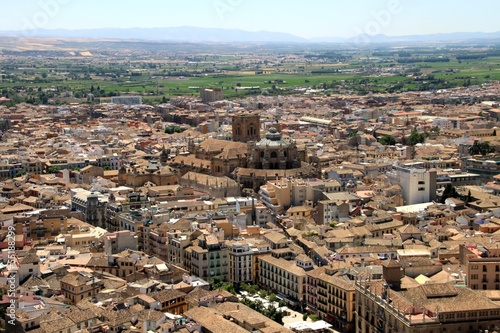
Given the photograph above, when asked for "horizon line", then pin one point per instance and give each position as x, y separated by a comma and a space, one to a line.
243, 30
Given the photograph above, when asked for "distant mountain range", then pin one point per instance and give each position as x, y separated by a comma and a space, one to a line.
175, 34
214, 35
431, 38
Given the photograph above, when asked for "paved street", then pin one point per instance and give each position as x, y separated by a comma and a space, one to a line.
293, 318
297, 317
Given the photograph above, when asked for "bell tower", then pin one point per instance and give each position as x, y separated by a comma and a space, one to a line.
246, 127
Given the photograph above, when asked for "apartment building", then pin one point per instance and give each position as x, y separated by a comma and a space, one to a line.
177, 242
276, 196
119, 241
241, 263
171, 301
89, 173
366, 251
208, 95
332, 210
344, 175
485, 166
92, 205
456, 178
428, 308
243, 260
285, 276
280, 195
79, 285
36, 226
209, 258
332, 297
419, 185
131, 220
85, 238
482, 263
370, 169
113, 209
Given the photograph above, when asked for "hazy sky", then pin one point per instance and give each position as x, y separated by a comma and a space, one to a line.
312, 18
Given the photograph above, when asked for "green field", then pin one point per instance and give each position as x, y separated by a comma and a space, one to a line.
160, 76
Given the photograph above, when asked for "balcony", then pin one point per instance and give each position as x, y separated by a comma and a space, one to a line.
321, 292
269, 192
270, 201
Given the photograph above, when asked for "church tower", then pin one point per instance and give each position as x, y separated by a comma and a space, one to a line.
246, 127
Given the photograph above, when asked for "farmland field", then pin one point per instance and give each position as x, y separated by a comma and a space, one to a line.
160, 74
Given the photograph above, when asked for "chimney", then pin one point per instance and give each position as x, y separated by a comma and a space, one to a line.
392, 274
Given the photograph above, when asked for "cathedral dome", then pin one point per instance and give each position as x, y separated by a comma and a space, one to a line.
273, 138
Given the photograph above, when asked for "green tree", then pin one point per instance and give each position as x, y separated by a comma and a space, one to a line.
272, 298
20, 173
314, 317
481, 148
217, 283
416, 137
352, 133
258, 306
435, 129
53, 169
263, 294
469, 197
449, 192
273, 313
169, 129
387, 140
249, 288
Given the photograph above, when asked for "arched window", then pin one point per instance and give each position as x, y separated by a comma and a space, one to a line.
274, 154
